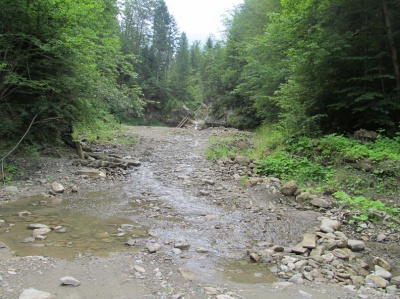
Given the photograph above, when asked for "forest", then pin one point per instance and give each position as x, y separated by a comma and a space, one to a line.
303, 67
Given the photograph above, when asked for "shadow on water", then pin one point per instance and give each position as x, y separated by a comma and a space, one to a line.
73, 231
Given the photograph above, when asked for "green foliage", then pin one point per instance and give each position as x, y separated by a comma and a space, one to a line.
7, 172
286, 166
368, 208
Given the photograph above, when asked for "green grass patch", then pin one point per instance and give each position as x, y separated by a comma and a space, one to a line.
232, 144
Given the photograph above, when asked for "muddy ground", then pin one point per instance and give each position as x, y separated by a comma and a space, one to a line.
201, 221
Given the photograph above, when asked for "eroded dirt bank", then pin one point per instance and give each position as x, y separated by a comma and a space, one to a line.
192, 227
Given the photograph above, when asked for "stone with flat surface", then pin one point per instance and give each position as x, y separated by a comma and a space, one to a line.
309, 241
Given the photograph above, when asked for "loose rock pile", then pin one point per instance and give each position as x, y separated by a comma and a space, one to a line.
329, 256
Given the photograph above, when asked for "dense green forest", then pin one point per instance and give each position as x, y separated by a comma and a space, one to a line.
305, 67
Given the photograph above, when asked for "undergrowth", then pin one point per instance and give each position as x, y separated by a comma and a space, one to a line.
358, 174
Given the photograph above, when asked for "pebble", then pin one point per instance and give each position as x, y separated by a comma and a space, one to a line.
153, 247
69, 280
139, 269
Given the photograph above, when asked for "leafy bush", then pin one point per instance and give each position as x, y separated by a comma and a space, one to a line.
286, 166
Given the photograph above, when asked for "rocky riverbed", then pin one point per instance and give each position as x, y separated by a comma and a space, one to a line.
165, 222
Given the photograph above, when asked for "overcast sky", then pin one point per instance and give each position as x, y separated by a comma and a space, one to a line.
199, 18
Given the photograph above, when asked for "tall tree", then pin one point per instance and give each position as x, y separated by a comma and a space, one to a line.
180, 78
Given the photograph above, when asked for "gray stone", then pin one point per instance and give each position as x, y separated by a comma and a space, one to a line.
375, 281
139, 269
69, 280
392, 290
297, 279
356, 245
320, 203
309, 241
35, 294
304, 197
130, 242
382, 263
339, 253
330, 225
379, 271
381, 237
153, 247
289, 189
255, 257
57, 187
319, 250
395, 280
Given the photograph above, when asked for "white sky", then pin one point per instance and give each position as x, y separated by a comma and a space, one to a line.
199, 18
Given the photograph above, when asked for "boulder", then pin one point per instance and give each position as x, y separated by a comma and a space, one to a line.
330, 225
35, 294
356, 245
57, 187
289, 189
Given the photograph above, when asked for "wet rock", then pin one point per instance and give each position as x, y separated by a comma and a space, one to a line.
37, 226
153, 247
278, 248
92, 173
356, 245
28, 240
69, 280
204, 193
330, 225
375, 281
127, 227
3, 246
208, 182
289, 189
382, 263
35, 294
24, 214
182, 246
255, 257
2, 222
320, 202
57, 187
379, 271
130, 242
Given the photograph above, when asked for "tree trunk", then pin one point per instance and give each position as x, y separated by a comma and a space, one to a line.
392, 45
